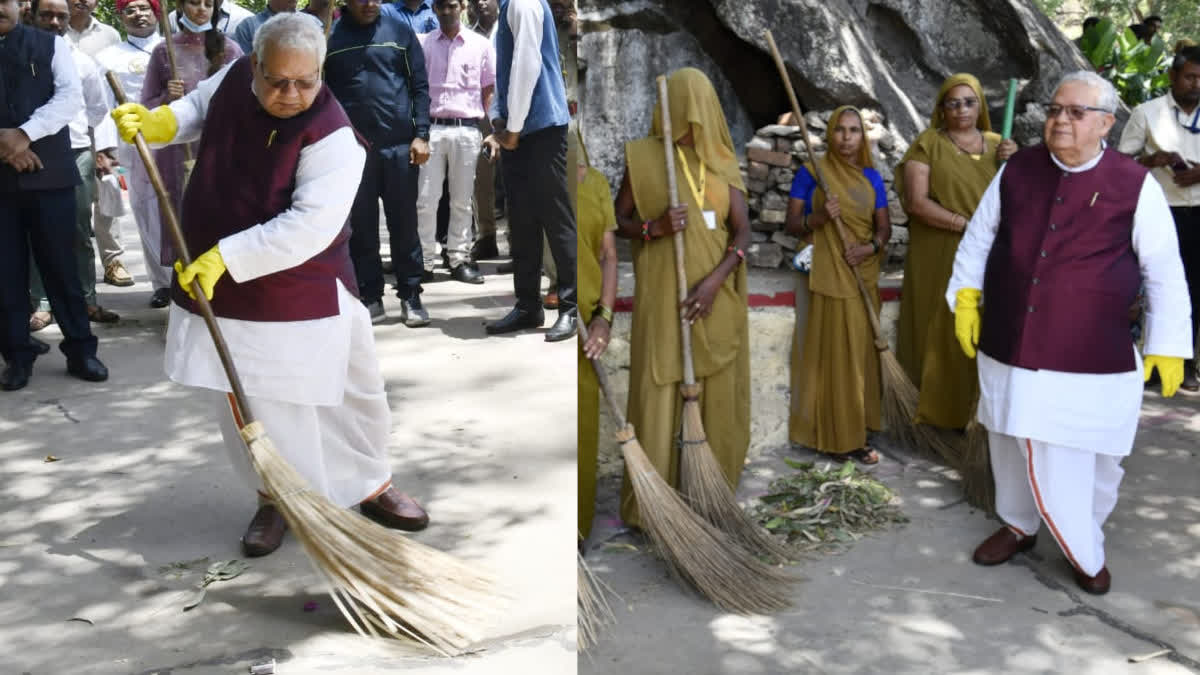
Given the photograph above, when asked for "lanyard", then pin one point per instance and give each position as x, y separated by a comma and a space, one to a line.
687, 173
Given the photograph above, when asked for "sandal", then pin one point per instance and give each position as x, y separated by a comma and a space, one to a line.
98, 314
39, 320
865, 456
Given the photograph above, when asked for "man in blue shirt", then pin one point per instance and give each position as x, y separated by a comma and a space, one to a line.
418, 15
244, 33
529, 120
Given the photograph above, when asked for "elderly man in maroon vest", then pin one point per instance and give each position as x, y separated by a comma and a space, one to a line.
272, 227
1054, 255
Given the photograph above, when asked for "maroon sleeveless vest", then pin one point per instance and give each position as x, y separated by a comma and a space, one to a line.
244, 176
1062, 273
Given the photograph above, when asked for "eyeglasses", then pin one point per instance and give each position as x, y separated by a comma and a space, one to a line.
1075, 112
133, 9
282, 84
956, 103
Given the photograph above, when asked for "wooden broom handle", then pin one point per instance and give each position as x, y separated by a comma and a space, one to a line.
685, 328
170, 47
235, 383
880, 341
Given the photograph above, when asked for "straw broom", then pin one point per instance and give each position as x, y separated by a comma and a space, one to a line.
701, 478
695, 552
384, 583
899, 395
592, 607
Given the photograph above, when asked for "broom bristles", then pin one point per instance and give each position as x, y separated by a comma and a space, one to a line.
378, 578
695, 551
702, 482
978, 482
900, 398
592, 606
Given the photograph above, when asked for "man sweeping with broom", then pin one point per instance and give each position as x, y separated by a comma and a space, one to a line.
1054, 254
276, 267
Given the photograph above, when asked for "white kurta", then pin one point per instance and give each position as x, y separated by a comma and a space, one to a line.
128, 60
315, 384
1097, 412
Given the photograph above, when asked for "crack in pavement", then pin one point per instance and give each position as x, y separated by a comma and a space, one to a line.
1082, 608
259, 654
61, 408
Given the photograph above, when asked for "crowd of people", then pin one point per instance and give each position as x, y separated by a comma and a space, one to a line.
1024, 268
277, 136
418, 80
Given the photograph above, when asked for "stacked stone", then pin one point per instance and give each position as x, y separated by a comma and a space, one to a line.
772, 158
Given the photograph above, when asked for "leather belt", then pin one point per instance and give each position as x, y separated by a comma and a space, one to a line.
456, 121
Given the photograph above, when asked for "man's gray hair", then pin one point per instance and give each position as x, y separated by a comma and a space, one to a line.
1107, 98
290, 30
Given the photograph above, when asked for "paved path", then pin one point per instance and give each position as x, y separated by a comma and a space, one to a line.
483, 434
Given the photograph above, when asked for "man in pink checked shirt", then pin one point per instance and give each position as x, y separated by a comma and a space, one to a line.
462, 77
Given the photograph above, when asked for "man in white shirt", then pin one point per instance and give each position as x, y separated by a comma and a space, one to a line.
86, 32
37, 198
128, 61
272, 256
1164, 135
1054, 254
52, 16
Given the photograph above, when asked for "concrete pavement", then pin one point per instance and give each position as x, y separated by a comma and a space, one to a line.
98, 549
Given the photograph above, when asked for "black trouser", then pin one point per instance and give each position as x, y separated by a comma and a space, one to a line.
535, 175
41, 221
1187, 227
387, 174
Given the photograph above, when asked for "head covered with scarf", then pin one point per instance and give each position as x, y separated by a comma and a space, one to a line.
695, 107
938, 119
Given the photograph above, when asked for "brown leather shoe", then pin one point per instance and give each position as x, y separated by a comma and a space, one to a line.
1097, 585
1001, 546
396, 510
265, 532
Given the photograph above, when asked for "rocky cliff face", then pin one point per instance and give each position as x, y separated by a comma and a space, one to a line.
887, 55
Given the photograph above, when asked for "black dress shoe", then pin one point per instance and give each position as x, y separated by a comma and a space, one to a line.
467, 274
517, 319
161, 298
15, 376
563, 328
88, 368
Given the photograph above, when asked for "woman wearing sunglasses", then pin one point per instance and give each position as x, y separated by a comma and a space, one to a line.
940, 181
200, 50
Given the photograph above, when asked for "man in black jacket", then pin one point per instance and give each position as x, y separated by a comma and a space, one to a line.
376, 70
40, 92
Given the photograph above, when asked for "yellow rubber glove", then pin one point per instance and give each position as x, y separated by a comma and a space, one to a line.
158, 125
207, 269
1170, 371
966, 319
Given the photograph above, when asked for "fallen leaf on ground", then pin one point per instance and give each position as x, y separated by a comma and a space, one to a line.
50, 458
82, 620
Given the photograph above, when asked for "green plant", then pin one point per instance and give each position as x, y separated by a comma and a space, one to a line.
1137, 70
